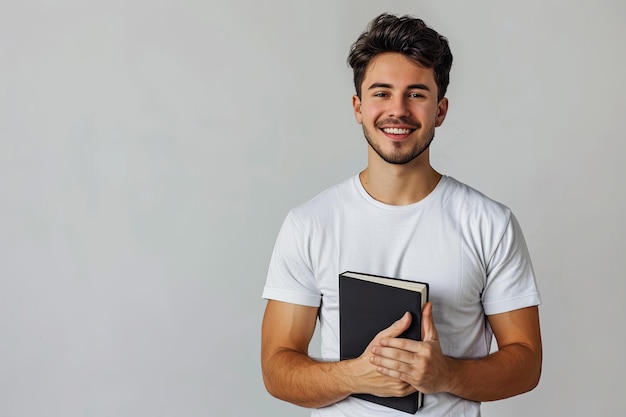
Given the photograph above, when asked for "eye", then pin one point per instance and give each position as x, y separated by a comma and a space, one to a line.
380, 94
416, 95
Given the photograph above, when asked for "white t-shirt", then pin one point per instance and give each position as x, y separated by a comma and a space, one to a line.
469, 248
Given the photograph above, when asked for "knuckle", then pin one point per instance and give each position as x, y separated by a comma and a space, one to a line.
395, 366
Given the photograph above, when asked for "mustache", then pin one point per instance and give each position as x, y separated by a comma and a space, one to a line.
402, 121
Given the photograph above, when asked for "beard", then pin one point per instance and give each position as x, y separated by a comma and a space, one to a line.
398, 156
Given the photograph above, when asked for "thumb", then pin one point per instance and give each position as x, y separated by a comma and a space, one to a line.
398, 327
429, 332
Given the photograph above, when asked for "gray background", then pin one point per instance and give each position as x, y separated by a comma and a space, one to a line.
149, 151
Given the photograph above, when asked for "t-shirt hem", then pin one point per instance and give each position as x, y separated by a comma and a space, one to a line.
292, 297
529, 300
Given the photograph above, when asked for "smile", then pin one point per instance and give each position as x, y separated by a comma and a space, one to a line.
396, 130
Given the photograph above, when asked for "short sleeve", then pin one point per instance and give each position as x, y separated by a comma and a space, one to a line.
290, 276
511, 282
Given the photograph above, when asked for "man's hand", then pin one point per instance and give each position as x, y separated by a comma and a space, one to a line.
368, 378
421, 365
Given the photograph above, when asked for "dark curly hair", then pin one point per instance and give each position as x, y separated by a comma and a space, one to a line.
406, 35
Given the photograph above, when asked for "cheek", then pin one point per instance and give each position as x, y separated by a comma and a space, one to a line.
370, 113
425, 113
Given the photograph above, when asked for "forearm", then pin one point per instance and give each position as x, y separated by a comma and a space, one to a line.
295, 377
512, 370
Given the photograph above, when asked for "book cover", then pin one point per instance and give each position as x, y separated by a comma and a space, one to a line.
370, 303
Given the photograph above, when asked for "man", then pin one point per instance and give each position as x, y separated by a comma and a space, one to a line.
401, 218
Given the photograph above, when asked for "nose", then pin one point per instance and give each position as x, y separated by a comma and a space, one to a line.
398, 107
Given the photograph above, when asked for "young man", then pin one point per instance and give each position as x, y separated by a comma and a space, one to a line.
401, 218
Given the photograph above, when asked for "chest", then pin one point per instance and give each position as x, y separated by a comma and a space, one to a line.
428, 247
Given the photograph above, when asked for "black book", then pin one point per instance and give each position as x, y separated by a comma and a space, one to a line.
369, 304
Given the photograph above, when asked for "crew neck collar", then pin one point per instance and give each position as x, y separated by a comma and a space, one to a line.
424, 201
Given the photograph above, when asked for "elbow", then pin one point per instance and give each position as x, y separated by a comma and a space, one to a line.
270, 387
532, 377
273, 381
532, 369
536, 377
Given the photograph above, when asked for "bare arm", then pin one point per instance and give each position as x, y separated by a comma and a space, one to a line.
515, 368
291, 375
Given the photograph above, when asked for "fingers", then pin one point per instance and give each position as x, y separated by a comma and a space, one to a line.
398, 327
429, 332
419, 363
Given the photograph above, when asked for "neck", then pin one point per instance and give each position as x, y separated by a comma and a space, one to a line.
399, 185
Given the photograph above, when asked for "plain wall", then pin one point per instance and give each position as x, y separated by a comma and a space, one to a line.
149, 152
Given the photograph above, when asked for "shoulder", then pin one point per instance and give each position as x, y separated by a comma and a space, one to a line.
327, 203
472, 202
309, 227
478, 217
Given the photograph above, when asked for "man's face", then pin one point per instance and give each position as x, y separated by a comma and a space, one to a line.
398, 108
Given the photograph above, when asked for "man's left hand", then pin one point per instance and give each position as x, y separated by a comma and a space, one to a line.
421, 364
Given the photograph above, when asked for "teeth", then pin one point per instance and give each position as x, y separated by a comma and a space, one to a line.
396, 131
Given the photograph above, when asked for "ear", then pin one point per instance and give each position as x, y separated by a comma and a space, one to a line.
442, 110
356, 106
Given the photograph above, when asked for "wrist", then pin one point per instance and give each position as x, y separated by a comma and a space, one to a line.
347, 376
448, 381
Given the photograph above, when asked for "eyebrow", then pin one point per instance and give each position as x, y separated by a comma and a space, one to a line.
410, 87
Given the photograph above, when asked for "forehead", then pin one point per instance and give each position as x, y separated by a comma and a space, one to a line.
397, 70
